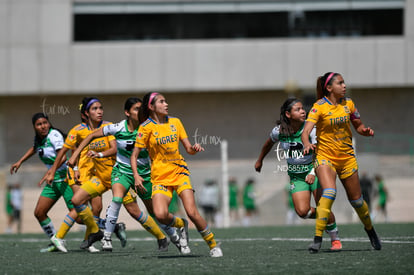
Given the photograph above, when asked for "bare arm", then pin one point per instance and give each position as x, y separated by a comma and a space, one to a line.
307, 145
26, 156
267, 146
134, 166
361, 129
75, 155
191, 149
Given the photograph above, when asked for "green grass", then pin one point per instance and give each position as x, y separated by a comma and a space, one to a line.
255, 250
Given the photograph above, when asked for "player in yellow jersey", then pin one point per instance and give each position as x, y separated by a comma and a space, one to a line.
92, 175
161, 135
333, 115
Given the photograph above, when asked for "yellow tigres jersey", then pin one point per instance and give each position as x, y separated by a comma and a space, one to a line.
333, 127
88, 167
162, 142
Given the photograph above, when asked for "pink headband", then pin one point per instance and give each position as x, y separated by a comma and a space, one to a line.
152, 97
327, 79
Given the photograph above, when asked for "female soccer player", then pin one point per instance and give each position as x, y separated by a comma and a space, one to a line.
92, 175
161, 135
333, 114
122, 178
300, 168
48, 142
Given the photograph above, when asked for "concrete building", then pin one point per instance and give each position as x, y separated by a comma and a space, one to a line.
221, 88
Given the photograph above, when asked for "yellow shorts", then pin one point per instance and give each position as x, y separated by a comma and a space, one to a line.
168, 190
344, 167
95, 188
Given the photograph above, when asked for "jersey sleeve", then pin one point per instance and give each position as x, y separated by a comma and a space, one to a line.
354, 111
56, 139
313, 136
143, 135
314, 113
182, 134
274, 135
112, 129
71, 139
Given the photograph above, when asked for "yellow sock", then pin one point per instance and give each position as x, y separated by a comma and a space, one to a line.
208, 237
85, 213
324, 210
151, 226
361, 207
65, 227
177, 222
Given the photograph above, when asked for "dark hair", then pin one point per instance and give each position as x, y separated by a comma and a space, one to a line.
131, 101
38, 139
86, 105
321, 84
284, 122
144, 112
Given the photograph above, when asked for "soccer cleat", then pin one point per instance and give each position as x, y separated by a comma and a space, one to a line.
49, 248
163, 245
373, 238
93, 249
216, 252
120, 233
107, 244
336, 245
175, 239
183, 232
316, 245
58, 243
94, 237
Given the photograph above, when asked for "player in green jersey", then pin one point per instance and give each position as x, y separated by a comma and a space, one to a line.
47, 143
303, 181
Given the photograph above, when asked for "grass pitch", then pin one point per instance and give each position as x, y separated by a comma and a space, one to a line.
255, 250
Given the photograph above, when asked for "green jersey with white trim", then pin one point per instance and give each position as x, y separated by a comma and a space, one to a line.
125, 141
290, 147
47, 151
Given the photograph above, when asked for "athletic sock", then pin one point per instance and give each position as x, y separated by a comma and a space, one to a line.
177, 222
333, 232
112, 214
361, 208
208, 237
48, 227
64, 228
85, 213
323, 210
150, 225
168, 229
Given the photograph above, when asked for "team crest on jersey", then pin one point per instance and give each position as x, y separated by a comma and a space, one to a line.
346, 109
139, 135
71, 137
155, 134
314, 110
173, 128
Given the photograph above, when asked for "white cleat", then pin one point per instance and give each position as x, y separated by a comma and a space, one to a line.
93, 249
216, 252
107, 244
58, 243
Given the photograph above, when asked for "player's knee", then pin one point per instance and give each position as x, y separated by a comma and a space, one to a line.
304, 213
357, 203
40, 215
161, 215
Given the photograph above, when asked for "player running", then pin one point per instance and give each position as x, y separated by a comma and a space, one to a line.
303, 182
161, 134
122, 178
332, 115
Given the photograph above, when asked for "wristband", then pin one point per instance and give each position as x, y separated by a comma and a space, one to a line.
100, 155
75, 168
312, 172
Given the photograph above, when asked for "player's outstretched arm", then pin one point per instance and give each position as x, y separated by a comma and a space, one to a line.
307, 145
26, 156
361, 129
191, 149
267, 146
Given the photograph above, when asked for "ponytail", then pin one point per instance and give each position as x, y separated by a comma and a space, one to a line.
322, 82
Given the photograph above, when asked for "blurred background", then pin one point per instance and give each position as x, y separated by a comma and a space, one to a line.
225, 68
